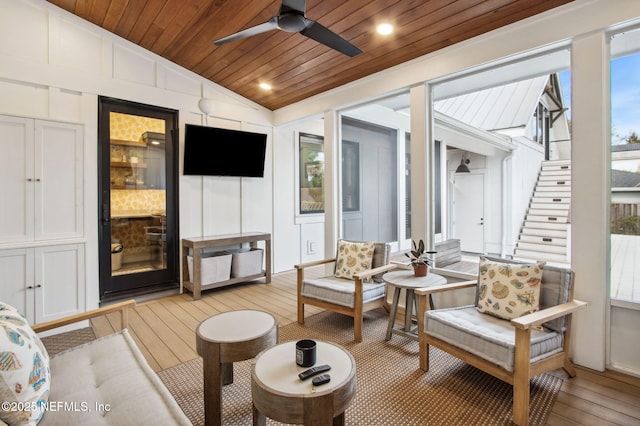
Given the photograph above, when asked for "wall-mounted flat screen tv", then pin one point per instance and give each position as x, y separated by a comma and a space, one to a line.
211, 151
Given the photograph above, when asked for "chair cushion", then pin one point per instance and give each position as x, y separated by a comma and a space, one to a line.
486, 336
340, 291
353, 257
24, 369
508, 290
112, 380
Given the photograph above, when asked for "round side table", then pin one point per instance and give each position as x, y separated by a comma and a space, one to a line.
405, 279
279, 394
223, 339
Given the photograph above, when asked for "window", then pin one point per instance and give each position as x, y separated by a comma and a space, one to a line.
541, 128
311, 174
625, 168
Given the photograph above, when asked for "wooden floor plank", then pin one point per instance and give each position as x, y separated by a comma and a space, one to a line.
610, 398
161, 353
178, 338
101, 326
591, 408
179, 312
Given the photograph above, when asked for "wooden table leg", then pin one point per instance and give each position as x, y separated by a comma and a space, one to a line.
408, 308
339, 420
394, 312
258, 418
227, 373
212, 372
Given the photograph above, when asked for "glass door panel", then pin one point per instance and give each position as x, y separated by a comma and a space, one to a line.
138, 193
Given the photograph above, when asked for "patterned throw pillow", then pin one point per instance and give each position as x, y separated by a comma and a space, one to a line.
24, 369
353, 258
508, 290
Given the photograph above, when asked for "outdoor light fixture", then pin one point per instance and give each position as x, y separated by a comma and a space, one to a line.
207, 106
462, 168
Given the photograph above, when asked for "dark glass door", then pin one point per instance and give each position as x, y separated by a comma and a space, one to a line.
138, 183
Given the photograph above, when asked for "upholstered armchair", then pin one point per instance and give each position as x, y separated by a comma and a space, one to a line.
355, 287
519, 326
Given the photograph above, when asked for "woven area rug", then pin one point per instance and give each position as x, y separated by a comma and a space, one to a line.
391, 389
61, 342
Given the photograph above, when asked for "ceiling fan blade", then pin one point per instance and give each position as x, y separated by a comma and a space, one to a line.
327, 37
297, 5
271, 24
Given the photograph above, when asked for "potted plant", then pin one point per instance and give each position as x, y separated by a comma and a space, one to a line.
420, 259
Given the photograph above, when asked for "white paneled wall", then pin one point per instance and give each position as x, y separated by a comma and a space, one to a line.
54, 65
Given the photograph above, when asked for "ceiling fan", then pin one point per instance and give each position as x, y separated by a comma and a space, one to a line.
292, 19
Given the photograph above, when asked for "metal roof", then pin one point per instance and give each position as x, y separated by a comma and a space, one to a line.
503, 107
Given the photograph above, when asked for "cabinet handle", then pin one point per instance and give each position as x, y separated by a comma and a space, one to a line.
29, 287
29, 180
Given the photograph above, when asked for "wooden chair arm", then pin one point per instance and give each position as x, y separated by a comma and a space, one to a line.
425, 291
122, 307
314, 263
537, 318
371, 272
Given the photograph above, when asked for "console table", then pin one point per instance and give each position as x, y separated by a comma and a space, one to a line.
196, 245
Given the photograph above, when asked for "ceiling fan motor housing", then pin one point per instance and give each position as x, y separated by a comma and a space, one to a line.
292, 22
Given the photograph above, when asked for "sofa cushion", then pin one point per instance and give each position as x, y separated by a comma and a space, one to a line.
108, 381
341, 291
508, 290
353, 257
486, 336
24, 369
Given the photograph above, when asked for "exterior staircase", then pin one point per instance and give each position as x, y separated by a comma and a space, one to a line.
545, 234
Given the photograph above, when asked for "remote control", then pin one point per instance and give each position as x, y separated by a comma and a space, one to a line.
321, 380
313, 371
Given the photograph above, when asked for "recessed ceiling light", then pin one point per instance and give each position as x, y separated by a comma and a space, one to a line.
265, 86
384, 29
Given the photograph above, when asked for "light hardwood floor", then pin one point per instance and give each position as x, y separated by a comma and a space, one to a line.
164, 329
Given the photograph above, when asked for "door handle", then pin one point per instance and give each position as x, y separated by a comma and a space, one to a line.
106, 213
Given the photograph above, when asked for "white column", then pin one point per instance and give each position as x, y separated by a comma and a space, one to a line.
331, 184
422, 178
590, 155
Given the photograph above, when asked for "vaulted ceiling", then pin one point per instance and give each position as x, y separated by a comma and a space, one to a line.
295, 66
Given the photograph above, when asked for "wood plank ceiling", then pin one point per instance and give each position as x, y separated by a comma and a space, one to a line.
296, 67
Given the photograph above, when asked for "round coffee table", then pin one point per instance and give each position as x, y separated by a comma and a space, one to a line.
279, 394
405, 279
223, 339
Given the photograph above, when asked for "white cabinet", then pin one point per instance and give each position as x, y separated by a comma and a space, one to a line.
41, 180
42, 251
44, 283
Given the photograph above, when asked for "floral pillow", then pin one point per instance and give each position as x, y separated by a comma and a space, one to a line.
508, 290
353, 258
24, 370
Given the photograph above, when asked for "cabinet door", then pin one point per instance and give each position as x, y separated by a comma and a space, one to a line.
58, 180
17, 280
60, 281
16, 179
